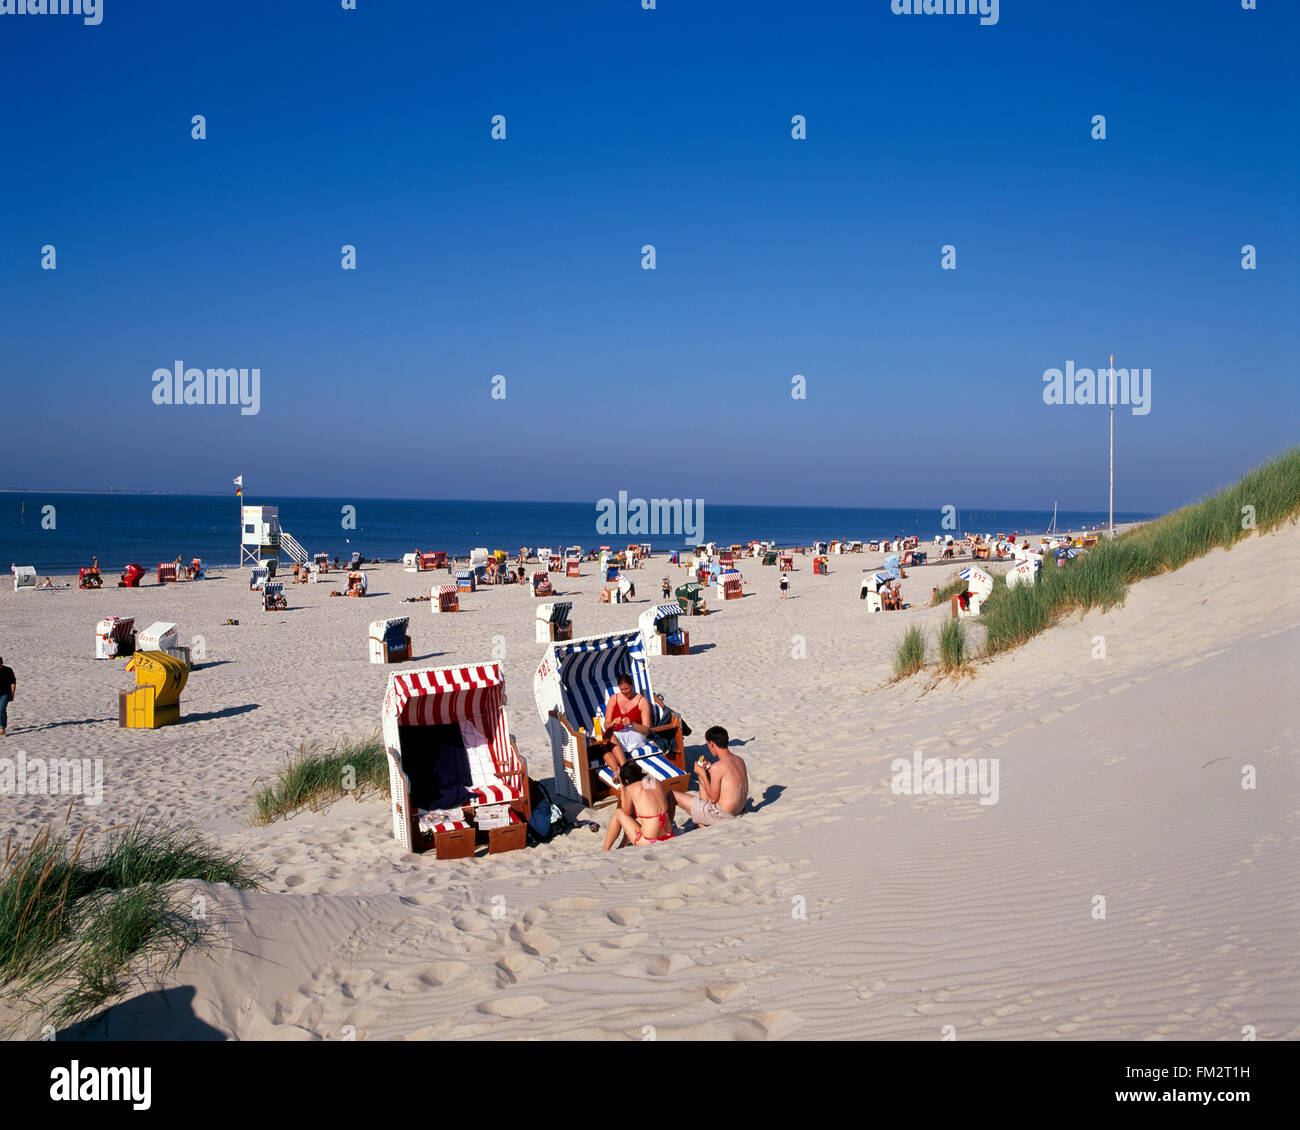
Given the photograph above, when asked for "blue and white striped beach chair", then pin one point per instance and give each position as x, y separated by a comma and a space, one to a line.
660, 632
571, 686
553, 621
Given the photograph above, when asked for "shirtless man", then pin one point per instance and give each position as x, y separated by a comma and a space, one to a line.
724, 785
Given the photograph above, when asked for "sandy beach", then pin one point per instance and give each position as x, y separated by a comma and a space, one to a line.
833, 909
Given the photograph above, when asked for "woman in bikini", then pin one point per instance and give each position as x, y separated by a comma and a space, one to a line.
628, 714
643, 814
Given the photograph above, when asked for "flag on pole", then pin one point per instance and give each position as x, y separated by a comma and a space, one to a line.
239, 485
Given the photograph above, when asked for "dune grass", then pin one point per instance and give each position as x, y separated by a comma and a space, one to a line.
77, 927
954, 645
315, 780
947, 591
1261, 500
909, 653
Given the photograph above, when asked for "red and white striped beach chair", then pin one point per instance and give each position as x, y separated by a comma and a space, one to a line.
572, 685
166, 572
729, 585
542, 583
444, 598
787, 563
447, 737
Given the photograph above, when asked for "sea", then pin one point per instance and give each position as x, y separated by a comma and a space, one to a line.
60, 532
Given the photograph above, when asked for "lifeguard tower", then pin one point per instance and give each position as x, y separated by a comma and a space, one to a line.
261, 538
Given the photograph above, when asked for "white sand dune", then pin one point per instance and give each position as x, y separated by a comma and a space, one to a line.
834, 909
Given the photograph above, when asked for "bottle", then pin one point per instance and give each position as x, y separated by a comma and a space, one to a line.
598, 727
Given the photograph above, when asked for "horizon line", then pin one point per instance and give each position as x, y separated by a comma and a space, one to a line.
532, 501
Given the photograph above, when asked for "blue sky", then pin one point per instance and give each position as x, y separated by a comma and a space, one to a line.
672, 127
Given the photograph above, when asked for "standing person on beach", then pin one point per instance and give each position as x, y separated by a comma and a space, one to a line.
8, 685
724, 785
785, 584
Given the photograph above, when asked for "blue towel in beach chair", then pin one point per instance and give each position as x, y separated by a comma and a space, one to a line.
655, 765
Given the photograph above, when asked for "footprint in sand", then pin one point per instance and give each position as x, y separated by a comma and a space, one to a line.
515, 966
574, 903
663, 965
442, 973
512, 1006
533, 941
624, 915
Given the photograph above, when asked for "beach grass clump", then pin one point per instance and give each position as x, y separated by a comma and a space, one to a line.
315, 780
909, 653
77, 928
1260, 501
954, 646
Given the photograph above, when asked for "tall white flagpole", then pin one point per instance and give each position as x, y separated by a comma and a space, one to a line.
1112, 447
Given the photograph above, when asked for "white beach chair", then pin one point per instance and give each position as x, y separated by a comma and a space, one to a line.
1024, 573
162, 636
24, 576
978, 586
553, 621
389, 640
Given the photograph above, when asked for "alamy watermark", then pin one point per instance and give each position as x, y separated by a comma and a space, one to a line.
641, 517
1103, 386
91, 11
952, 776
987, 10
179, 385
57, 776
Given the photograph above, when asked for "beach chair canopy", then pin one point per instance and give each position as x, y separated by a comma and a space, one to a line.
392, 632
274, 588
663, 612
158, 636
470, 698
882, 579
557, 613
588, 671
464, 574
444, 590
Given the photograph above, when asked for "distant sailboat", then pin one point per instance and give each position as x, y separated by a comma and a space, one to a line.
1052, 528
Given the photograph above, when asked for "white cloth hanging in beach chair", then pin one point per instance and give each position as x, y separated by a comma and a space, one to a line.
114, 636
